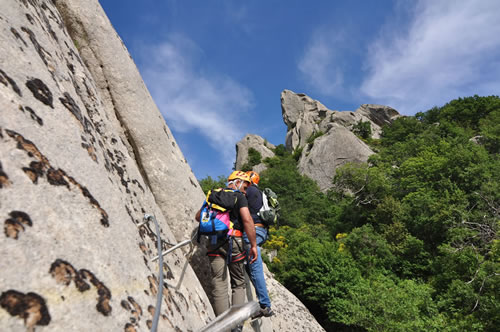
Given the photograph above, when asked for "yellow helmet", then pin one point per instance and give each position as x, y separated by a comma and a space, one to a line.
239, 175
254, 177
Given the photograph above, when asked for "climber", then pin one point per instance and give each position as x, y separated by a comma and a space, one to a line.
256, 270
238, 181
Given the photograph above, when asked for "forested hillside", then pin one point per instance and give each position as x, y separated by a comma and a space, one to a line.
406, 242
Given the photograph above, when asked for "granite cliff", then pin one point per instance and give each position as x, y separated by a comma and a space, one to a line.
84, 154
324, 139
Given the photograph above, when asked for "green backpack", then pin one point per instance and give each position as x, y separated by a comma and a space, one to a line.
269, 212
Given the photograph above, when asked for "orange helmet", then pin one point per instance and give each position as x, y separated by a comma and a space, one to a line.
239, 175
254, 177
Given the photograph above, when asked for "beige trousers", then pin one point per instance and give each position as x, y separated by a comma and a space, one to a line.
219, 267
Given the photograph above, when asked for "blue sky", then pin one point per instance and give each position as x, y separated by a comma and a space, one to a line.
216, 68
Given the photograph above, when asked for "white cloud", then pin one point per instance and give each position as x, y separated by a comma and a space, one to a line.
193, 101
451, 49
319, 65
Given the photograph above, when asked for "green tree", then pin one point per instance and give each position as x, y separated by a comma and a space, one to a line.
362, 129
209, 183
254, 158
407, 241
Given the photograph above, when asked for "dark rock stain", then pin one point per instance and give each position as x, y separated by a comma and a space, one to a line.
32, 114
152, 285
136, 306
71, 67
177, 306
40, 91
58, 177
168, 272
30, 18
125, 305
18, 36
129, 328
121, 173
72, 106
47, 23
15, 224
6, 80
90, 94
93, 201
31, 307
138, 184
168, 302
73, 55
129, 212
34, 171
107, 164
63, 272
151, 310
28, 146
185, 300
28, 2
88, 126
144, 249
4, 179
40, 50
90, 150
103, 292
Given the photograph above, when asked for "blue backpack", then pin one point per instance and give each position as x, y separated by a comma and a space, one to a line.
215, 221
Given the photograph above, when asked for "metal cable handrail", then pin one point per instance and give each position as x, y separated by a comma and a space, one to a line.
154, 326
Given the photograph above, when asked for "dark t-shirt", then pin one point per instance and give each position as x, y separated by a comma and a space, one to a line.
234, 215
254, 197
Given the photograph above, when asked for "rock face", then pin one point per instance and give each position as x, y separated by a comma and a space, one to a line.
290, 313
84, 154
338, 146
326, 136
255, 142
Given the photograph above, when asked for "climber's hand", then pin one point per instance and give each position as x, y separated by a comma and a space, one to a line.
252, 254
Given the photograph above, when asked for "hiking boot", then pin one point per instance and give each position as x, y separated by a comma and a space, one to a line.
264, 312
237, 329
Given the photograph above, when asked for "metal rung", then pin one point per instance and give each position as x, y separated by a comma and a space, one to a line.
178, 245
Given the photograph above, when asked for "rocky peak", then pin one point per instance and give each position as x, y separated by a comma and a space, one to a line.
326, 137
293, 105
258, 144
379, 115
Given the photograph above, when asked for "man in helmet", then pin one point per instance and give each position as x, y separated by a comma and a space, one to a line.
256, 270
242, 221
